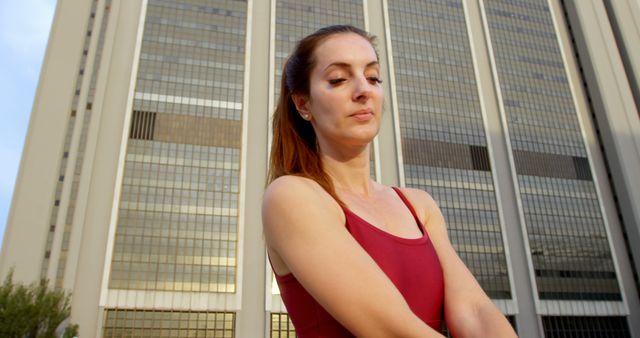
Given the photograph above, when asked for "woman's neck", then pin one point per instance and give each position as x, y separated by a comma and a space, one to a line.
350, 172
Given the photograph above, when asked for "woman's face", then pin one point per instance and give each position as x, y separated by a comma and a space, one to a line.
345, 100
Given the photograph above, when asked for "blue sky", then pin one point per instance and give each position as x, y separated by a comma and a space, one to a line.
24, 31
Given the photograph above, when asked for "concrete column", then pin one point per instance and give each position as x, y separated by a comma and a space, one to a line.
623, 15
98, 185
251, 318
616, 119
527, 321
389, 165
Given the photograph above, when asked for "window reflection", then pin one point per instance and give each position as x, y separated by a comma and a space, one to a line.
569, 246
177, 227
444, 144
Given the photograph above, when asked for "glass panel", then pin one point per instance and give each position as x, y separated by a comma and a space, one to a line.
281, 326
178, 215
578, 327
569, 248
147, 323
444, 145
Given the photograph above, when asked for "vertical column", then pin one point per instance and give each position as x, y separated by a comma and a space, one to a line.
614, 110
113, 101
616, 118
79, 116
527, 321
378, 25
250, 319
71, 219
624, 15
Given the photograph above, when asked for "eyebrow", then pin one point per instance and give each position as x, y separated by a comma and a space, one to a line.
346, 65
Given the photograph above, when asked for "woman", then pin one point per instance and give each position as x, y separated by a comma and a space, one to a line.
351, 256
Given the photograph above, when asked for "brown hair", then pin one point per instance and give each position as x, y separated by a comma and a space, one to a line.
294, 150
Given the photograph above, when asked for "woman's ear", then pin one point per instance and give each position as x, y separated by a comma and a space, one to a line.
302, 105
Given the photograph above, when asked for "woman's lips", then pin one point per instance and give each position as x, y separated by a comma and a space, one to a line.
363, 115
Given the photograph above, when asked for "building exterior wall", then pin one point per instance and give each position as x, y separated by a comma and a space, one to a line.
615, 113
52, 112
148, 146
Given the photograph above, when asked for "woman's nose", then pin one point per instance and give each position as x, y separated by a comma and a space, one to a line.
362, 89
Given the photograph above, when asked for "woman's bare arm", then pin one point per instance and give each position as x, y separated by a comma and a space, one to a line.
468, 310
304, 226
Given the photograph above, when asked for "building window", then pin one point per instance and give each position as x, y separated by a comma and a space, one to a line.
281, 326
148, 323
570, 251
578, 327
444, 146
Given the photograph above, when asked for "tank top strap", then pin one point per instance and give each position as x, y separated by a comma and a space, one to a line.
413, 211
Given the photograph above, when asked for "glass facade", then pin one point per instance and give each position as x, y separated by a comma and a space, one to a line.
177, 226
566, 231
296, 19
184, 324
586, 326
174, 268
281, 326
443, 139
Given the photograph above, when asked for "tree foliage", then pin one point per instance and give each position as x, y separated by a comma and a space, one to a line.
33, 311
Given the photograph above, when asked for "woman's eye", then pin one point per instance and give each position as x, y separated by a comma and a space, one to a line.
336, 81
374, 79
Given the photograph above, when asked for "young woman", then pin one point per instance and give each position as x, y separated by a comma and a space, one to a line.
352, 256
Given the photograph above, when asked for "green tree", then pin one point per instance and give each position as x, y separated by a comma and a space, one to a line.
33, 311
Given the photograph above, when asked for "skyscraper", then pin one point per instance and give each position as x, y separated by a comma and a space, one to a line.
146, 156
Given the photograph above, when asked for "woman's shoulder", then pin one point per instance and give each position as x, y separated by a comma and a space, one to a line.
422, 202
291, 181
294, 206
296, 191
421, 197
291, 186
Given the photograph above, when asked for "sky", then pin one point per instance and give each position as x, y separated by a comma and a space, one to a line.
24, 31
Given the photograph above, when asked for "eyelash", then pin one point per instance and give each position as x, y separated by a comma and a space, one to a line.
373, 79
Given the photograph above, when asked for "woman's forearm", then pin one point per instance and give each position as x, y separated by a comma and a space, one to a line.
492, 323
484, 320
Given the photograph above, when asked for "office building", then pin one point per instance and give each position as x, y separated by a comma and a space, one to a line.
140, 184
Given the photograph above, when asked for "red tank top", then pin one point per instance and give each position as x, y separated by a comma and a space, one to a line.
411, 264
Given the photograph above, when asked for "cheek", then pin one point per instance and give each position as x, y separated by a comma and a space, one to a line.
378, 101
380, 94
326, 105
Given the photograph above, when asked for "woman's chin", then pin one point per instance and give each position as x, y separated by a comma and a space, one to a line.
363, 137
368, 133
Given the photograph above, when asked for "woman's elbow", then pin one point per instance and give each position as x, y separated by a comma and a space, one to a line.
480, 321
397, 326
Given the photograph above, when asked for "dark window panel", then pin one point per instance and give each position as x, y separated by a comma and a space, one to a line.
480, 158
583, 171
586, 326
